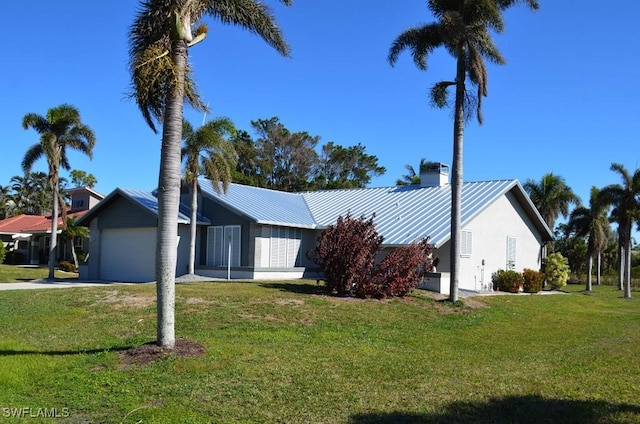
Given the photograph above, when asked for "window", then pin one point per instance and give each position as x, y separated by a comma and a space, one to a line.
285, 247
223, 242
78, 243
466, 243
511, 253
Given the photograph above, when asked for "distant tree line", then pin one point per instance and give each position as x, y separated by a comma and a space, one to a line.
31, 194
281, 159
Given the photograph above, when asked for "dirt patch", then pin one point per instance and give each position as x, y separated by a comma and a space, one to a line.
127, 301
293, 302
150, 352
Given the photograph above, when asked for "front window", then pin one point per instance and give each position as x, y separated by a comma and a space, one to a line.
223, 245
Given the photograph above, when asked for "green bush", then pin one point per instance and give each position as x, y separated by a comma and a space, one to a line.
3, 252
67, 266
509, 281
532, 280
14, 258
556, 270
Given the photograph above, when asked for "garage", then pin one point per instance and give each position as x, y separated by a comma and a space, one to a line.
128, 254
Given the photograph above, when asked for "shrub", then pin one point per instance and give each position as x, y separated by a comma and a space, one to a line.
556, 270
67, 266
532, 281
509, 281
14, 257
399, 272
346, 253
3, 252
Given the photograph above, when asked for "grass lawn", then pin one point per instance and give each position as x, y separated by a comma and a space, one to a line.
283, 352
20, 273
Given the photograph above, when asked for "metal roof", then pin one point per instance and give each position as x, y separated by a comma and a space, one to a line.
143, 198
402, 214
263, 206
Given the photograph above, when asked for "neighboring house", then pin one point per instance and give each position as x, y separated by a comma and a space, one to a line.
30, 235
256, 233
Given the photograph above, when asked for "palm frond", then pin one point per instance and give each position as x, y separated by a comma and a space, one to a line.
421, 41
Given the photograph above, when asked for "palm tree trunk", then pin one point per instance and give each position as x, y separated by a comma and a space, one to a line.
621, 259
73, 252
598, 268
168, 201
589, 286
53, 245
456, 179
193, 225
627, 265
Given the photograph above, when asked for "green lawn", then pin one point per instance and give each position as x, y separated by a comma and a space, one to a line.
21, 273
283, 352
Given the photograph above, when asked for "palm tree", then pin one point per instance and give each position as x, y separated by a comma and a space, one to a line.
209, 152
593, 223
160, 36
551, 196
463, 29
413, 177
625, 200
60, 129
71, 231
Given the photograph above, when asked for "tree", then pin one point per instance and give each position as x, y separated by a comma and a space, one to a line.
248, 169
71, 232
413, 177
463, 29
551, 196
80, 178
287, 159
571, 246
346, 167
60, 129
160, 36
593, 223
207, 152
625, 199
31, 194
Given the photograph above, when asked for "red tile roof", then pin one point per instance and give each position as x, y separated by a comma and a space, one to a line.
31, 223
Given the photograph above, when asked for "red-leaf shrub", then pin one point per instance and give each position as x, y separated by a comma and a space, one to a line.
346, 253
532, 281
399, 272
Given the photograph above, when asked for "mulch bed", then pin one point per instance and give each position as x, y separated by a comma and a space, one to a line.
150, 352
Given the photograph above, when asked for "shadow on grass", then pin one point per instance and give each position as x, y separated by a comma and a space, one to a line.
515, 409
11, 352
296, 288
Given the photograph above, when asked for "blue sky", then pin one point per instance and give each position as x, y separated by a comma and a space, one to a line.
566, 102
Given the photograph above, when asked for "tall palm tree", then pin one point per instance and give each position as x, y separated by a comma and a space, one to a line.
625, 200
463, 28
593, 223
60, 129
160, 36
208, 151
551, 196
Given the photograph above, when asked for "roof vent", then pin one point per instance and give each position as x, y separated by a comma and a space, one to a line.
434, 174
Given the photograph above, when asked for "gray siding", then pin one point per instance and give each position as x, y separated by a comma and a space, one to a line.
123, 214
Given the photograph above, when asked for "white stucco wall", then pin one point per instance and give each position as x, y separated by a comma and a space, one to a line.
504, 218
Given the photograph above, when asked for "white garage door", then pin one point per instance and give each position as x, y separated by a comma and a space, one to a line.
128, 254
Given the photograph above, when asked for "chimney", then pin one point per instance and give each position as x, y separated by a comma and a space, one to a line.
434, 174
